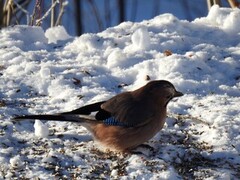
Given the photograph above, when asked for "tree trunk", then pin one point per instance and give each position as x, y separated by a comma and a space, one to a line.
121, 4
78, 17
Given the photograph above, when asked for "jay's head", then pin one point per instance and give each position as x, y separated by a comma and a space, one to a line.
162, 91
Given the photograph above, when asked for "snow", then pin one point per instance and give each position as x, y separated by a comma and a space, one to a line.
140, 39
57, 33
16, 162
51, 72
41, 130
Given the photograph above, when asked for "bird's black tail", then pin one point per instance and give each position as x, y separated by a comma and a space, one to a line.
56, 117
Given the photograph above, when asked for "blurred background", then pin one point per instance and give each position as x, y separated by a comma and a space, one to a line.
91, 16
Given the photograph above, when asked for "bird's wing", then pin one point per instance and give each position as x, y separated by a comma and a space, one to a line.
86, 110
126, 109
121, 110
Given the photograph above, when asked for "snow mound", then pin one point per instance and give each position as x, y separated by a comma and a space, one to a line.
225, 18
56, 33
41, 130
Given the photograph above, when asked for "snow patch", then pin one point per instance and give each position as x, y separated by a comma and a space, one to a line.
41, 130
57, 33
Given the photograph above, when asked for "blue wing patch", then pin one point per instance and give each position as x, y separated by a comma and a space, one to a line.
113, 122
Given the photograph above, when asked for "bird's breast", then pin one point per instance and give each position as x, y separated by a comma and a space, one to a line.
123, 138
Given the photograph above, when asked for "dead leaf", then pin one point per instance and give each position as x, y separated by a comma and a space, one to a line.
167, 53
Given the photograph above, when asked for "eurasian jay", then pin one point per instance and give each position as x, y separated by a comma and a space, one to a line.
124, 121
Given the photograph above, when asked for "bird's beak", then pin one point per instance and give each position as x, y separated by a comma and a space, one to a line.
178, 94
